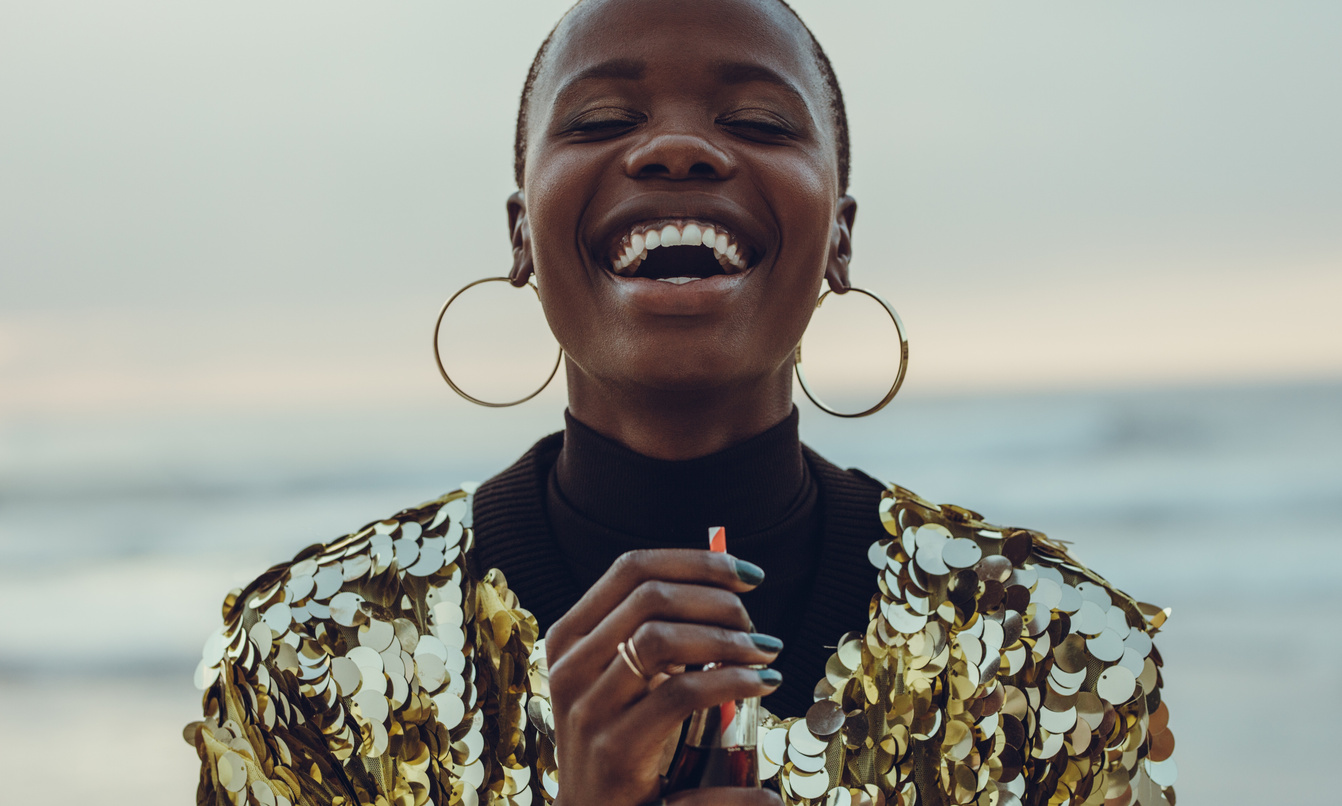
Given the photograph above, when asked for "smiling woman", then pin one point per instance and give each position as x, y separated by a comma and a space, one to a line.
546, 635
722, 121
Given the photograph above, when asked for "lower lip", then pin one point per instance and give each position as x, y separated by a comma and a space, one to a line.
695, 298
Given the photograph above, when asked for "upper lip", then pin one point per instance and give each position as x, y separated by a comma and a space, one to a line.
657, 208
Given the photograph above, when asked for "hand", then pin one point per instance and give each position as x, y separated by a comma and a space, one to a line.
680, 608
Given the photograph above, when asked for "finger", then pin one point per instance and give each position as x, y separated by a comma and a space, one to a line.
654, 600
596, 711
723, 796
664, 708
633, 568
661, 646
664, 647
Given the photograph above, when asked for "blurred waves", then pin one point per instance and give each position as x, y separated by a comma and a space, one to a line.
118, 541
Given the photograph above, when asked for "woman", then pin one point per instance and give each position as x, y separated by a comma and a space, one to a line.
404, 662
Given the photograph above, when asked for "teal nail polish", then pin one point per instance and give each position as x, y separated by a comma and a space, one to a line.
771, 677
749, 573
766, 642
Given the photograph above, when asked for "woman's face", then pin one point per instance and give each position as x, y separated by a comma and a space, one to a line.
654, 122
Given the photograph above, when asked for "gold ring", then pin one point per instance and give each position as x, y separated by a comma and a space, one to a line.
626, 650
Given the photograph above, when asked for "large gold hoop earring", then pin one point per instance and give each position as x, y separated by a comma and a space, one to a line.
899, 377
438, 358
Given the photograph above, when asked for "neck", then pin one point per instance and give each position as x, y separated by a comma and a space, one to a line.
679, 425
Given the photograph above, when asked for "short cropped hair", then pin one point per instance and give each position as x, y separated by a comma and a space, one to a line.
838, 113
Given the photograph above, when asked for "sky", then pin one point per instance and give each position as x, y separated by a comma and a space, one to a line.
258, 206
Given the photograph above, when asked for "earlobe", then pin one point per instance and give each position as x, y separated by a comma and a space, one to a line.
841, 245
519, 232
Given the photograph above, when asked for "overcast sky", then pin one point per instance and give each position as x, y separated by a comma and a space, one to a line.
262, 204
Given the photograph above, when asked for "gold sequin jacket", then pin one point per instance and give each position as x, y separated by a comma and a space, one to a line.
995, 669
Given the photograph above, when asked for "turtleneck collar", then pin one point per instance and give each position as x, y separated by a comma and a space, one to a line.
748, 488
817, 583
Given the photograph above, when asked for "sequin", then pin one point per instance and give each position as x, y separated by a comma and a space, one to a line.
809, 786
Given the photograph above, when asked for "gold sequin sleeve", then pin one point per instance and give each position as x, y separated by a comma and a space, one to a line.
995, 670
372, 670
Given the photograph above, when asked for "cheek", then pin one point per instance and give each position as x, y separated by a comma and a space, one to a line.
558, 189
803, 191
552, 222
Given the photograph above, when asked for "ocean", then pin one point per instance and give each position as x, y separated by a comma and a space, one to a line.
120, 535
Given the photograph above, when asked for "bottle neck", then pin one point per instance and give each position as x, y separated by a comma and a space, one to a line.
732, 724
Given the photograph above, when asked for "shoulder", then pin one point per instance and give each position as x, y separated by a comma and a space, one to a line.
328, 581
950, 545
995, 665
352, 649
1040, 653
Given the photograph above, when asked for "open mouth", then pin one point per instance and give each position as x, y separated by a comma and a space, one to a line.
678, 252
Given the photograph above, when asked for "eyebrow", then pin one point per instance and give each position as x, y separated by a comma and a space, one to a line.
622, 69
747, 72
728, 73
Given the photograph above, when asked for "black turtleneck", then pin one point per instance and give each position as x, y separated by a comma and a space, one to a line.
556, 520
604, 500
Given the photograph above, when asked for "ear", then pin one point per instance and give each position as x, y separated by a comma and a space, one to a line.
520, 233
841, 245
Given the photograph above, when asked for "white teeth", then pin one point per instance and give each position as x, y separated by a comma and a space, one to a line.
677, 280
634, 250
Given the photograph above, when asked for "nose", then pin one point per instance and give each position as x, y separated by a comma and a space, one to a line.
678, 156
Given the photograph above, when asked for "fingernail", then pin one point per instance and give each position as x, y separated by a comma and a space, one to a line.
749, 573
771, 677
766, 642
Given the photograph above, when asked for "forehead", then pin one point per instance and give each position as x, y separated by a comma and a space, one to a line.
684, 37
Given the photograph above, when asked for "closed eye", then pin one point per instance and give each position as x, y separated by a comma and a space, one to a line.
759, 127
602, 123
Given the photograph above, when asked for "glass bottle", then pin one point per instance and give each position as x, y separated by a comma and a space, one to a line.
719, 748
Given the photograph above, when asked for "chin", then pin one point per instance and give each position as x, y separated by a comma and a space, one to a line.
690, 369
